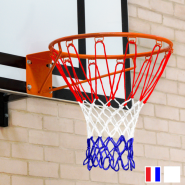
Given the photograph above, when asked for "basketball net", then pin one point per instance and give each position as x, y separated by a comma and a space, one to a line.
104, 122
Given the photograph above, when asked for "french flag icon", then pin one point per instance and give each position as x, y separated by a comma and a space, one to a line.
153, 174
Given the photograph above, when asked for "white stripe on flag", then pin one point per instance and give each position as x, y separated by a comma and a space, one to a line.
172, 174
152, 173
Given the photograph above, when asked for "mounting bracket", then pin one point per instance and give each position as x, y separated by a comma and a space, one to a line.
4, 99
37, 68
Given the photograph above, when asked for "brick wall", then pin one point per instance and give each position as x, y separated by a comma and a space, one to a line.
46, 140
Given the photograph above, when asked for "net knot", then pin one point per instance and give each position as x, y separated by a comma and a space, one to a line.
116, 149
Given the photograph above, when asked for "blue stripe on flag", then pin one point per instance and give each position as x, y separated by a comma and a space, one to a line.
157, 174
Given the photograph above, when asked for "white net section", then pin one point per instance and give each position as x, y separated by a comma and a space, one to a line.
111, 121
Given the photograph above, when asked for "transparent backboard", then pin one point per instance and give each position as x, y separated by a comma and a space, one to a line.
29, 26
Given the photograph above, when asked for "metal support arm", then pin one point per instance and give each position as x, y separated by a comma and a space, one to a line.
4, 99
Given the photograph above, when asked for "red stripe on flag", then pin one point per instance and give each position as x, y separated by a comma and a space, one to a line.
148, 174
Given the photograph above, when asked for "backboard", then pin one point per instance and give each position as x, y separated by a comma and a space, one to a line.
29, 26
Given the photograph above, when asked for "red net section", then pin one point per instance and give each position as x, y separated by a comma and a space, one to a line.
147, 78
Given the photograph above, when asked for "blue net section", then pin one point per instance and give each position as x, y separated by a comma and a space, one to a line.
109, 154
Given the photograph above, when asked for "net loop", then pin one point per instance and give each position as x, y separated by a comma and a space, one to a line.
132, 40
97, 71
98, 39
159, 43
69, 44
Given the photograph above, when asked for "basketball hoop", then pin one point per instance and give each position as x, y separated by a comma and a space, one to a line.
106, 119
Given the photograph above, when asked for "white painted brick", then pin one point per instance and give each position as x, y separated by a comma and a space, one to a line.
183, 142
100, 175
141, 50
162, 31
14, 134
58, 124
166, 86
172, 73
148, 43
182, 115
149, 15
181, 88
4, 179
74, 172
168, 139
177, 155
16, 180
176, 101
178, 1
174, 23
80, 127
148, 110
70, 110
179, 11
168, 163
182, 182
180, 62
167, 112
4, 149
43, 169
139, 122
155, 124
132, 10
144, 3
131, 177
18, 104
27, 151
59, 155
58, 182
176, 127
28, 120
180, 36
162, 6
141, 162
88, 183
138, 149
157, 97
142, 136
139, 25
156, 152
73, 141
42, 106
179, 48
45, 138
80, 157
12, 166
172, 61
181, 75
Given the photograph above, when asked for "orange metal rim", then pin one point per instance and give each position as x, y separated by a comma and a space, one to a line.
112, 34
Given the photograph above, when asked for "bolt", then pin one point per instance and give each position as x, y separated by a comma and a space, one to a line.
28, 61
49, 66
6, 115
50, 91
29, 87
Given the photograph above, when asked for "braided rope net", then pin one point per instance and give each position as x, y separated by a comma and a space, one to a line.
104, 120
